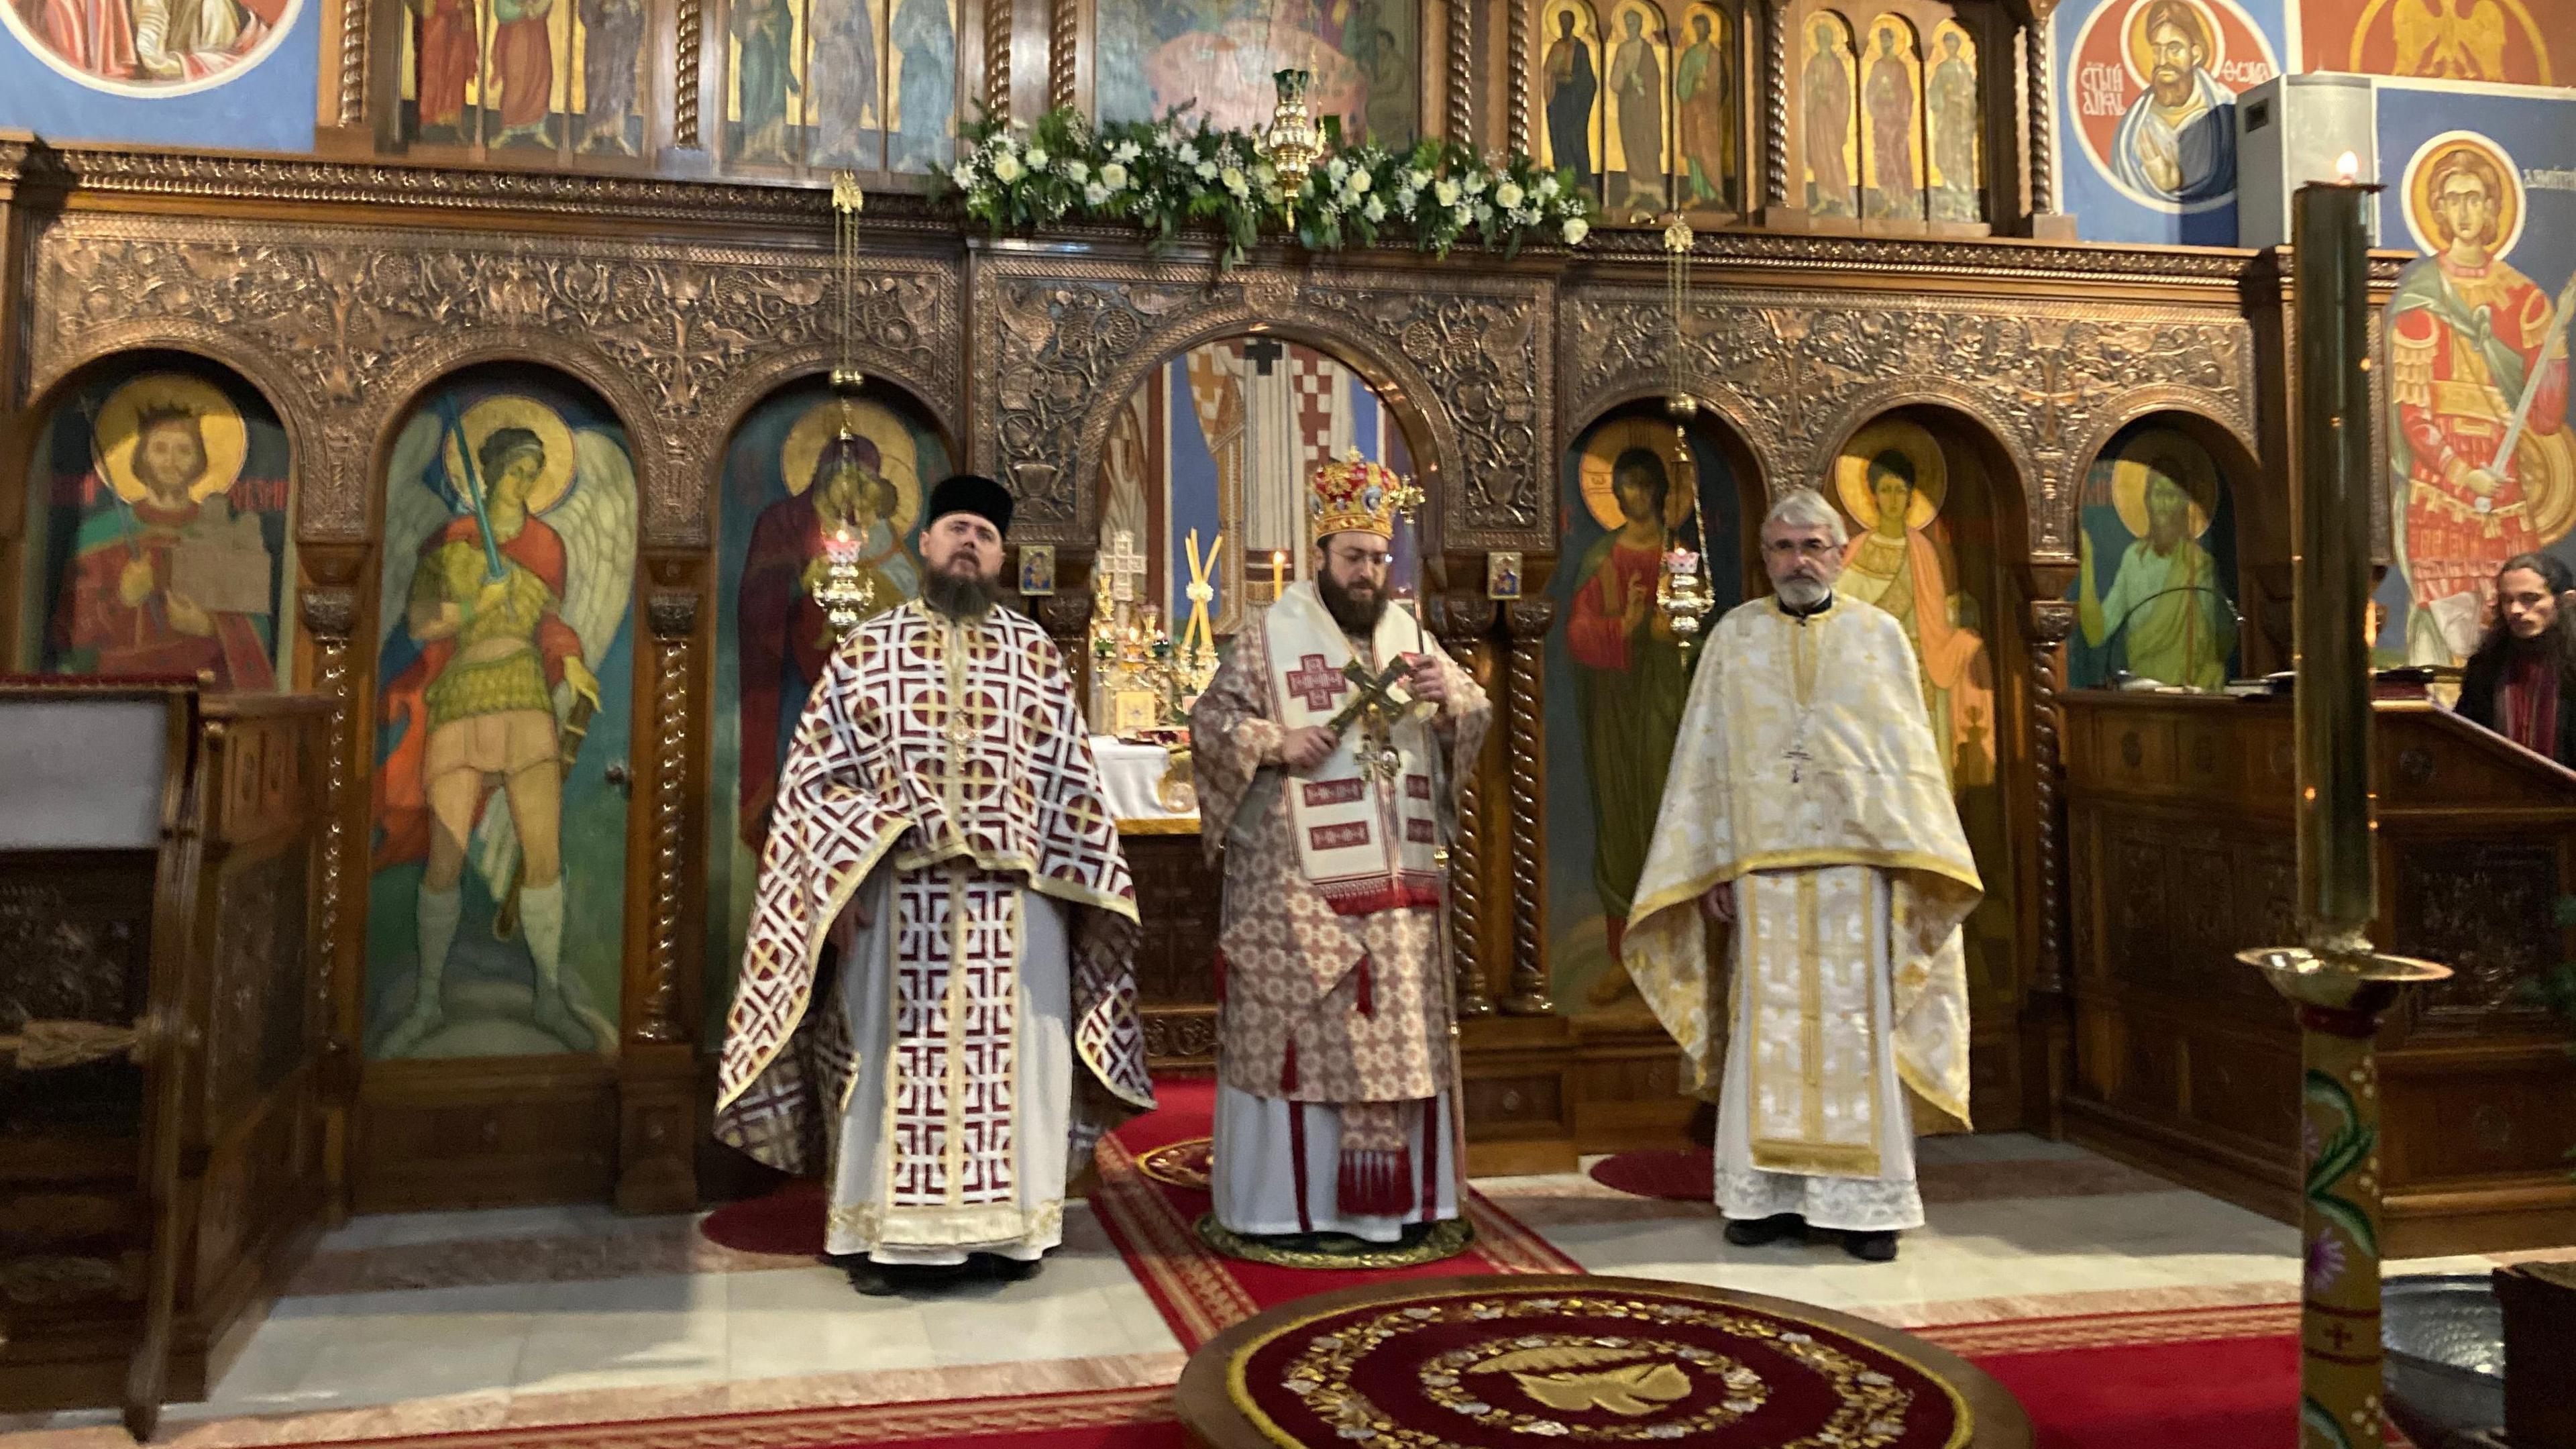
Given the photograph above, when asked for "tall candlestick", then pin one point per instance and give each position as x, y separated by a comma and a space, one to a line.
1278, 572
2331, 272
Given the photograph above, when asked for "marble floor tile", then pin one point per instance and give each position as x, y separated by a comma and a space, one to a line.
628, 1331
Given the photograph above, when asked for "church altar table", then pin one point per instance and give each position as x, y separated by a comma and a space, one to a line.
1135, 775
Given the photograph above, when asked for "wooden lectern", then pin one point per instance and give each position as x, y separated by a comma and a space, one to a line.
161, 1026
2181, 833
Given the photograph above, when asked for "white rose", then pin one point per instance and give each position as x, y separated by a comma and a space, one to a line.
1475, 183
1037, 158
1095, 193
1006, 168
1405, 198
963, 173
1484, 213
1546, 187
1359, 183
1508, 195
1575, 230
1236, 182
1446, 192
1077, 172
1189, 154
1339, 171
1206, 170
1417, 179
1113, 176
1375, 211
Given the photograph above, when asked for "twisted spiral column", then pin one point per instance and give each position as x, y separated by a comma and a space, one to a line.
2037, 40
2051, 620
1775, 122
329, 617
1462, 74
1520, 74
674, 618
997, 59
1528, 622
684, 97
1060, 53
1464, 622
353, 62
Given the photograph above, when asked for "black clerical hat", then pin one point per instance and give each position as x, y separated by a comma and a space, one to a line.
971, 493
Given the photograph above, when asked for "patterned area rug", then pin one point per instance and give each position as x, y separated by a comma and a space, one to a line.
1152, 1219
1486, 1364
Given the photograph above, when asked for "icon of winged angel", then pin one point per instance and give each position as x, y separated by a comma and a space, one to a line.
510, 556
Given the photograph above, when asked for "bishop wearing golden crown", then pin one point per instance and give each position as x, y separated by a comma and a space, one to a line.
1321, 748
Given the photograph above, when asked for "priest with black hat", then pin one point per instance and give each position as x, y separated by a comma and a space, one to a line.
937, 1009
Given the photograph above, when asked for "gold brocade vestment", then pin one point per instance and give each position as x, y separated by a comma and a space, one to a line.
1806, 772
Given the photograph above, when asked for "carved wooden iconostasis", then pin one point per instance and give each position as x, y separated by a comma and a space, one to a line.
614, 311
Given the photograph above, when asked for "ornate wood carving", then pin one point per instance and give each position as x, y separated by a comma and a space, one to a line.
2484, 908
1528, 620
674, 620
1180, 1038
1794, 372
344, 326
257, 1011
75, 946
1465, 625
1063, 342
2051, 620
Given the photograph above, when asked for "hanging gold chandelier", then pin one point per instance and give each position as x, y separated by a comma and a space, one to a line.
1292, 146
1678, 238
846, 201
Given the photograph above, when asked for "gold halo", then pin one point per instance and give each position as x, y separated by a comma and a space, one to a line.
898, 459
1617, 436
517, 410
118, 430
2129, 480
1931, 472
2141, 57
2417, 188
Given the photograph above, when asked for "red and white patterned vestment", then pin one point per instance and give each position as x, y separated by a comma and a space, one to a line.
981, 1029
1333, 1065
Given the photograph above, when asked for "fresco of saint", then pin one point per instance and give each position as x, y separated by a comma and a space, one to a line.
612, 42
2178, 140
1828, 135
1892, 481
1704, 112
2166, 610
1637, 108
1572, 84
510, 548
1952, 113
165, 575
149, 43
765, 74
2468, 336
1894, 193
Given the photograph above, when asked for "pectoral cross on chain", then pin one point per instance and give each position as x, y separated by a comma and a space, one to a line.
1797, 757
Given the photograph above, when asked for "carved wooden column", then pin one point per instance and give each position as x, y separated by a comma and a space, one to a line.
657, 1070
2039, 38
1528, 621
1519, 100
997, 59
1461, 110
329, 617
1775, 107
687, 82
1062, 52
1066, 616
1465, 624
2050, 1026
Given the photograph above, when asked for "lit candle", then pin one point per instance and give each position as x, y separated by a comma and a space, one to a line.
1278, 571
2331, 494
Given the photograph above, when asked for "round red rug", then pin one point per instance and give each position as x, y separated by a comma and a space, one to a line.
1680, 1176
787, 1222
1486, 1363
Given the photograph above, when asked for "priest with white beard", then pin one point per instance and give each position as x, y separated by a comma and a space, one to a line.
1807, 808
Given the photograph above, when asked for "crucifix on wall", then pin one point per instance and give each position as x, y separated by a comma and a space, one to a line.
1263, 353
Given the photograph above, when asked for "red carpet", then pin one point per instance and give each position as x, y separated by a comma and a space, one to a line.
1200, 1290
789, 1220
1680, 1176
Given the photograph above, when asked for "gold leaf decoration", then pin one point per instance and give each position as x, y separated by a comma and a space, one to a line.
1634, 1389
1556, 1356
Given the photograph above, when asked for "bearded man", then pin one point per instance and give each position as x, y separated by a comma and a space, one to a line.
940, 823
2178, 140
1335, 1106
1809, 810
2521, 682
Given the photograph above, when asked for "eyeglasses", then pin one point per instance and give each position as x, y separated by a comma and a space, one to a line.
1353, 558
1812, 547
